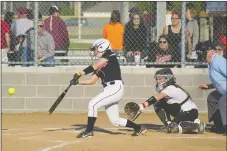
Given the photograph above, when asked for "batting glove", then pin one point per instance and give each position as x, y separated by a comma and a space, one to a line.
74, 82
77, 76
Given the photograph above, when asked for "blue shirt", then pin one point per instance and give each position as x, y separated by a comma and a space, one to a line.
217, 73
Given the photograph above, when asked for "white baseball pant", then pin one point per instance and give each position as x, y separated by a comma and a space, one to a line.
109, 98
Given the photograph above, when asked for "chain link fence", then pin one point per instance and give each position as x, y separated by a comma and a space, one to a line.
155, 34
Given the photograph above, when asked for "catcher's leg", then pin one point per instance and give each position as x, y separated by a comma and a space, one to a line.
163, 116
187, 122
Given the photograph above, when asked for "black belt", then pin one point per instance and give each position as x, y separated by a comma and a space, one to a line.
109, 83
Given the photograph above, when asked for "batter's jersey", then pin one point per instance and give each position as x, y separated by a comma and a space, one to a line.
111, 70
177, 95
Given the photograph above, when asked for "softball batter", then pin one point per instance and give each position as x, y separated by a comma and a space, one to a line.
108, 70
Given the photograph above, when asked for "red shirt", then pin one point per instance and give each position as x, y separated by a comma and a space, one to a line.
4, 29
57, 28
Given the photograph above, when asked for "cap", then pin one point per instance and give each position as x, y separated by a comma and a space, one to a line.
22, 11
53, 9
134, 10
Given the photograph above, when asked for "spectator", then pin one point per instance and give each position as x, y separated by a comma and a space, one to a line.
147, 22
19, 28
132, 11
58, 29
169, 13
5, 41
22, 24
135, 38
163, 54
114, 32
192, 28
46, 47
173, 32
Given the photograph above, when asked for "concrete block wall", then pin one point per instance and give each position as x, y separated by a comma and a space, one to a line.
37, 88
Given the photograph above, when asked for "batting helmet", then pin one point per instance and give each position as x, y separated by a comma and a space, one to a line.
169, 78
101, 45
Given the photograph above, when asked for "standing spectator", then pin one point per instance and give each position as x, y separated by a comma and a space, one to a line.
217, 73
58, 29
174, 34
135, 38
114, 32
22, 24
46, 47
132, 11
147, 22
5, 41
192, 28
19, 28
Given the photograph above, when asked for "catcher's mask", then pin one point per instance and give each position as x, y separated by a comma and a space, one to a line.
99, 46
202, 49
168, 76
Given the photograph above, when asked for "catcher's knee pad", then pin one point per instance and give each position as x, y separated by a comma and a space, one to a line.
174, 128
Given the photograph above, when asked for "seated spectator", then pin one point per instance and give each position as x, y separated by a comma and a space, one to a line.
5, 41
173, 32
58, 29
114, 32
163, 54
135, 41
46, 46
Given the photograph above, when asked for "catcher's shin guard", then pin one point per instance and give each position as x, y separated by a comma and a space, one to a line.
161, 114
174, 128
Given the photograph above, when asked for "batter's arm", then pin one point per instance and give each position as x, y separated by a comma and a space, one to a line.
91, 81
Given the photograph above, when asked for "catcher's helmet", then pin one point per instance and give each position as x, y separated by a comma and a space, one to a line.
169, 78
101, 45
202, 48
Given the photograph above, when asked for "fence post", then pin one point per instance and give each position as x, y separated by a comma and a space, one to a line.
161, 17
79, 19
124, 12
36, 32
183, 26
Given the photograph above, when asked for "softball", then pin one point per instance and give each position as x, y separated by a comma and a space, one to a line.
11, 91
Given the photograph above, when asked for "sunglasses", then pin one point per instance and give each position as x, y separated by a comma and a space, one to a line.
41, 26
175, 18
162, 42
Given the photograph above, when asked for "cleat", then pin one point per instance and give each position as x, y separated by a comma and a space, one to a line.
140, 131
162, 129
85, 134
201, 128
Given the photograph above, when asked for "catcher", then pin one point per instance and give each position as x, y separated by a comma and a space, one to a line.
171, 100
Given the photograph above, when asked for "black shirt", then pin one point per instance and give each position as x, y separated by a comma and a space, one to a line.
111, 71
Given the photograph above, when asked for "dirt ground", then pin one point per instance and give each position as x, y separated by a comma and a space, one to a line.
57, 132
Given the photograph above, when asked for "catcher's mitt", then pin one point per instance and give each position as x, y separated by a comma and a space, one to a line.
132, 110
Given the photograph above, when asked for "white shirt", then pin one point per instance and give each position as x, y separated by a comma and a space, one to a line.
20, 26
177, 95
